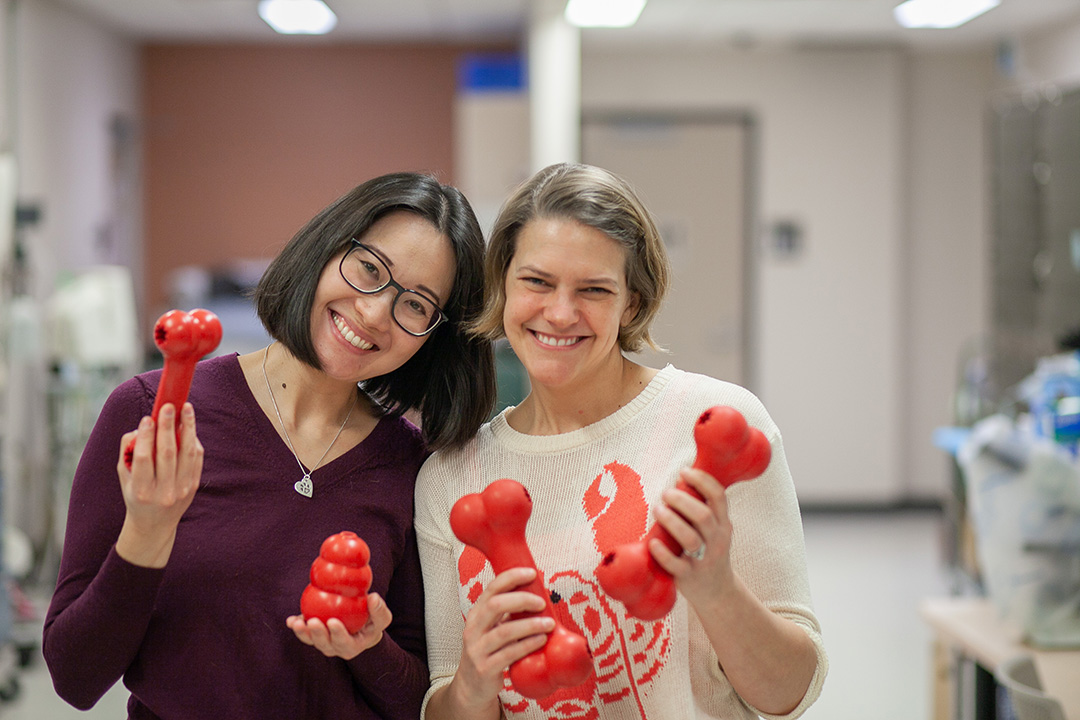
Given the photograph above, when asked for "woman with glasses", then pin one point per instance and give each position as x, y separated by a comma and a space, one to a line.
576, 272
183, 575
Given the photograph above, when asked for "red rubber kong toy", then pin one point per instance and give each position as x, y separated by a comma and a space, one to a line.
183, 339
340, 578
730, 451
494, 522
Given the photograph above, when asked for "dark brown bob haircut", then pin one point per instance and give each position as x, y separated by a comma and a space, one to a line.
450, 380
599, 199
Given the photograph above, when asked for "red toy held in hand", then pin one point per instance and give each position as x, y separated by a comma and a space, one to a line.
340, 578
494, 522
730, 451
183, 339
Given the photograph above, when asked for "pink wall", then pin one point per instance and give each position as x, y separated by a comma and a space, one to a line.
244, 143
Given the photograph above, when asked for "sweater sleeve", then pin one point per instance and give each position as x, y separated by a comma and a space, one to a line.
445, 625
772, 544
768, 550
393, 675
102, 604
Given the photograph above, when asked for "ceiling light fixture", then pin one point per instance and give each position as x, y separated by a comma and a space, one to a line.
298, 17
940, 13
603, 13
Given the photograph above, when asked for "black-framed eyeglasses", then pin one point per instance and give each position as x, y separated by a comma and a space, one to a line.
414, 312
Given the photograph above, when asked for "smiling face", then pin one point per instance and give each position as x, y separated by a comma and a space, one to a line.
355, 335
566, 298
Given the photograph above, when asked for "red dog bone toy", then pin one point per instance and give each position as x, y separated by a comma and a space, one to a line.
730, 451
494, 522
340, 578
183, 338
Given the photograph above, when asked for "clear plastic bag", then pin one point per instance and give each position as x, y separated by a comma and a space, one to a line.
1023, 495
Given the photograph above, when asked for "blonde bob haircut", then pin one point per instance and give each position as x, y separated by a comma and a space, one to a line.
594, 197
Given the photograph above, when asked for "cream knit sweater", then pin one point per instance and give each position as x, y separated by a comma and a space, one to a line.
593, 489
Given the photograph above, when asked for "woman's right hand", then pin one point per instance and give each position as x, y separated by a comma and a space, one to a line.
159, 486
492, 641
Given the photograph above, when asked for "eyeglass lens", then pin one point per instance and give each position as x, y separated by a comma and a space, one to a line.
366, 272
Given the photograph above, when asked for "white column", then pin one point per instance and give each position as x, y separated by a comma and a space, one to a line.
554, 85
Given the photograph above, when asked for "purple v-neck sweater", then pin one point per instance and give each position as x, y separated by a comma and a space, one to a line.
205, 637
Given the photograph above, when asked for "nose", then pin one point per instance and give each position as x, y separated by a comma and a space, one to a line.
377, 309
561, 309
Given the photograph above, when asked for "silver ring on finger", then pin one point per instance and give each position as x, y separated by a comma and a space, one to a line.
696, 554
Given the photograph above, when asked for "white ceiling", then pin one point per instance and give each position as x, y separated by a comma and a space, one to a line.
739, 22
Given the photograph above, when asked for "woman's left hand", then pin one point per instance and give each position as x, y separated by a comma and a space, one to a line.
699, 526
333, 640
768, 659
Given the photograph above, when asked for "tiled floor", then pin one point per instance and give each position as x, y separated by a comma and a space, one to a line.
868, 572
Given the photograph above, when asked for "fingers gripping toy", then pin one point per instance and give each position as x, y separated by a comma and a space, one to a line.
494, 522
340, 578
730, 451
183, 338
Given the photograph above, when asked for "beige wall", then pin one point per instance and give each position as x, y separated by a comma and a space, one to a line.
848, 144
947, 277
72, 79
1052, 56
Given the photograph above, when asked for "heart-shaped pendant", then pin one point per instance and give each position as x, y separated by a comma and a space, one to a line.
304, 486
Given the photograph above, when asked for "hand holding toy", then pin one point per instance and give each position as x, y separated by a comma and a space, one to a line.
730, 451
183, 338
340, 578
494, 522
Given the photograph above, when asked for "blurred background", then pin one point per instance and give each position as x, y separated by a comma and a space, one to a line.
875, 228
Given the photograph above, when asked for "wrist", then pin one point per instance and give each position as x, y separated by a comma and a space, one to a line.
142, 548
465, 703
726, 597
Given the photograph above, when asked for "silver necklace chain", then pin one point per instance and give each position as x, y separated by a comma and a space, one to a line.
303, 485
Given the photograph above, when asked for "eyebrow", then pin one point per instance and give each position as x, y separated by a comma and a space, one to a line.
612, 282
390, 265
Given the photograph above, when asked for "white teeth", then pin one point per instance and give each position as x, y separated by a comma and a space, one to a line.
350, 336
557, 342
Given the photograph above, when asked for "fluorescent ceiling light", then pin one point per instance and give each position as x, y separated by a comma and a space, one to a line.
298, 17
603, 13
940, 13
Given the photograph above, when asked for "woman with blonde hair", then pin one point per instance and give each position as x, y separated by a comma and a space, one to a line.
575, 273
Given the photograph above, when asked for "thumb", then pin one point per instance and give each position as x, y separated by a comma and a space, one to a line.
380, 614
